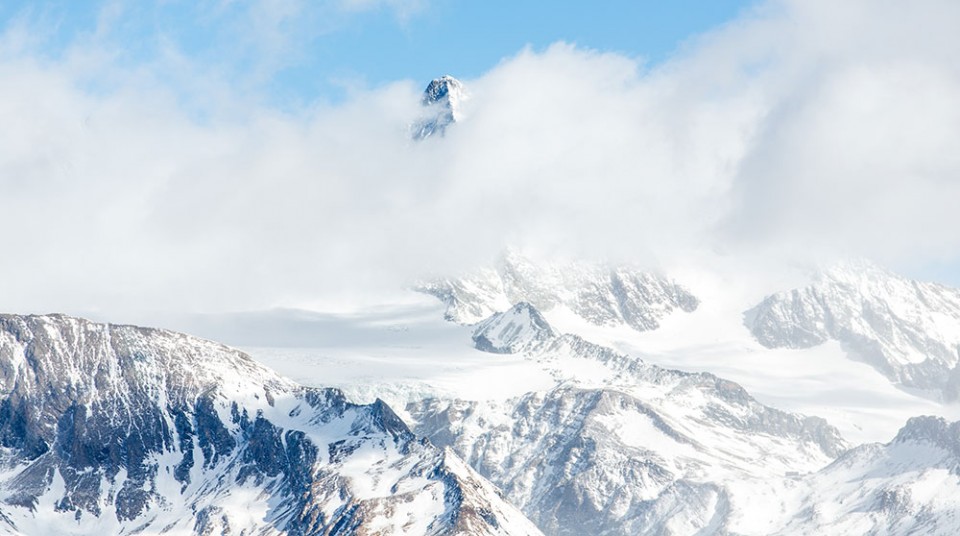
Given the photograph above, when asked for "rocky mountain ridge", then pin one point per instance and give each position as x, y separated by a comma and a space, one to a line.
908, 330
601, 294
121, 429
643, 454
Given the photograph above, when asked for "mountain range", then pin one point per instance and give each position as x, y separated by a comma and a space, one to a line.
122, 429
127, 430
525, 397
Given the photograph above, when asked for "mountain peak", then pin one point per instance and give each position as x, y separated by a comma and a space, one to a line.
934, 430
446, 89
511, 331
859, 272
600, 293
442, 99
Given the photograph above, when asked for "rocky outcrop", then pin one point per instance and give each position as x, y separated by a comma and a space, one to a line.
116, 429
441, 101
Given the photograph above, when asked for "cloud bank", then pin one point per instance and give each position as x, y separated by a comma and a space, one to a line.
802, 130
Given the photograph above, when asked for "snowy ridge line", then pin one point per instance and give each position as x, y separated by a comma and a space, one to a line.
647, 449
907, 486
908, 330
601, 294
119, 429
522, 329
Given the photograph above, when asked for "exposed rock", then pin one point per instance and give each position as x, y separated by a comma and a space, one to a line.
442, 100
110, 429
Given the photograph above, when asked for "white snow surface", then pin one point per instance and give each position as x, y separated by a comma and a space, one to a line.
408, 352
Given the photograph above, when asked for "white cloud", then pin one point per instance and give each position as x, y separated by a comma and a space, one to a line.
804, 128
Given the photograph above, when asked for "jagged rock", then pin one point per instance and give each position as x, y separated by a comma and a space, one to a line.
908, 330
442, 100
119, 429
600, 294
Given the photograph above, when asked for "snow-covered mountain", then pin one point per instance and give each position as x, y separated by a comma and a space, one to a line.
908, 330
511, 331
601, 294
109, 429
907, 486
645, 450
555, 406
442, 101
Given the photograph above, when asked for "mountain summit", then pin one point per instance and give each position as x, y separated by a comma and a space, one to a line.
442, 99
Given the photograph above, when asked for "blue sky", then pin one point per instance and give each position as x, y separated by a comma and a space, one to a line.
298, 52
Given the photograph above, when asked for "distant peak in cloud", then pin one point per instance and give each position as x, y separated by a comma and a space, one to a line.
442, 97
445, 89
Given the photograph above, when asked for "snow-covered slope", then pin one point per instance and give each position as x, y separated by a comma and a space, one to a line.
643, 450
442, 101
111, 429
511, 331
601, 294
558, 410
908, 486
908, 330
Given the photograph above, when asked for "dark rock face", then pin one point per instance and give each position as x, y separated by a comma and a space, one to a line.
151, 430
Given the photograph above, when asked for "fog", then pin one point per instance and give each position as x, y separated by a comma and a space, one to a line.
802, 131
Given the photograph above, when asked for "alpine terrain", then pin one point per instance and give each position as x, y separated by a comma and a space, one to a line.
442, 101
648, 450
527, 396
112, 429
907, 330
586, 437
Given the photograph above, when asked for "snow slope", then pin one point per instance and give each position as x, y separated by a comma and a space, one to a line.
633, 444
121, 430
639, 450
907, 486
585, 426
819, 380
908, 330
